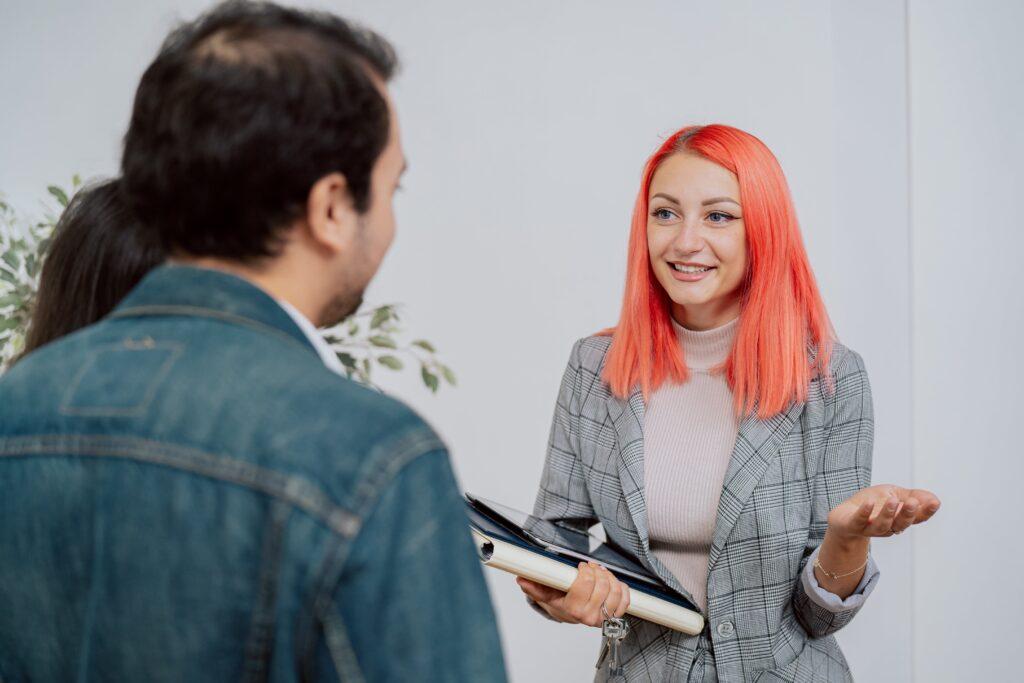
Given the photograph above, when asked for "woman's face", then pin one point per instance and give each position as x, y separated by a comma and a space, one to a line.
696, 239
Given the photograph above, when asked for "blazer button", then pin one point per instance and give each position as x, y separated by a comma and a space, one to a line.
725, 629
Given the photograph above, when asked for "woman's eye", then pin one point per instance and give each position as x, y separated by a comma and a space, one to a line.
725, 217
662, 214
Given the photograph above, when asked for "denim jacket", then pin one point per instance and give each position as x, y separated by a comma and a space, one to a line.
187, 494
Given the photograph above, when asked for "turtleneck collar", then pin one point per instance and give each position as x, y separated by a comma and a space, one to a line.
704, 349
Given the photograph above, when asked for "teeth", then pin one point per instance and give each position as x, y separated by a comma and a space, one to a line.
690, 269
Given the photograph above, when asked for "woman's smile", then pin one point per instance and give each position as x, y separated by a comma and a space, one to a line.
690, 272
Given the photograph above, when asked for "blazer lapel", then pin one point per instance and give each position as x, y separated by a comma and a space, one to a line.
756, 445
628, 419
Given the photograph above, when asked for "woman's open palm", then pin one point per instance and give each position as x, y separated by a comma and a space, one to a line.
882, 510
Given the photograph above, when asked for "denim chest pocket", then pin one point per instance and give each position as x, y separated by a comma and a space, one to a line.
120, 379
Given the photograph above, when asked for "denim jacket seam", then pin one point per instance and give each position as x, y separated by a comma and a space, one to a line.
200, 312
296, 490
259, 642
402, 451
319, 598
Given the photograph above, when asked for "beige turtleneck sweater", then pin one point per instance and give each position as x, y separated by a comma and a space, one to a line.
689, 433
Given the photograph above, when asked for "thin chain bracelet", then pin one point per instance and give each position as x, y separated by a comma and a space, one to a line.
832, 576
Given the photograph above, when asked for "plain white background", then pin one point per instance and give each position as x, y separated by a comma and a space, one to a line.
526, 125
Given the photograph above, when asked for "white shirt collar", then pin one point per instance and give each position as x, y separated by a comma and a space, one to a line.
323, 349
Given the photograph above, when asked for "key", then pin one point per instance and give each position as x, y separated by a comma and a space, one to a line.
614, 631
602, 654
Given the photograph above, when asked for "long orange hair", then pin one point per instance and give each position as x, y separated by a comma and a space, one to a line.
784, 335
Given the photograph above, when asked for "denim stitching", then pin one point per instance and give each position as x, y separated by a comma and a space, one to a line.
65, 409
342, 654
408, 447
305, 640
260, 645
403, 450
196, 311
297, 490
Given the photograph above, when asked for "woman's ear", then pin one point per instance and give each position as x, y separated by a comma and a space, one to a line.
330, 213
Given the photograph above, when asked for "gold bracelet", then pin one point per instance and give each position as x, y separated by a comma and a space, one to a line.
817, 565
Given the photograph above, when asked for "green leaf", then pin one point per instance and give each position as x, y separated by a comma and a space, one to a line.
353, 328
76, 180
10, 300
366, 367
347, 359
7, 324
383, 341
448, 374
390, 362
7, 277
380, 316
11, 259
59, 194
430, 379
425, 345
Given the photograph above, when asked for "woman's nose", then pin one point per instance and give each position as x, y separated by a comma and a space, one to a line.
688, 239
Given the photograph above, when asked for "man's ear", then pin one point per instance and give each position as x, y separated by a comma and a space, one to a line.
330, 214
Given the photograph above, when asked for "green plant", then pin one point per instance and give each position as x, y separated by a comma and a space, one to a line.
365, 340
372, 337
23, 245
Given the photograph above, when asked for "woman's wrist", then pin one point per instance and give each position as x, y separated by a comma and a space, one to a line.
846, 544
841, 556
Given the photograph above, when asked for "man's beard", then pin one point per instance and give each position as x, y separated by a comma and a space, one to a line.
341, 307
346, 303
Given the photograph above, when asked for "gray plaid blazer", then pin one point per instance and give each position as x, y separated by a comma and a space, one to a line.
785, 475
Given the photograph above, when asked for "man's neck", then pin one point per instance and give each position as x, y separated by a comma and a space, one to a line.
276, 282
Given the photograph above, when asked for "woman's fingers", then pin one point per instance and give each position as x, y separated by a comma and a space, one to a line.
611, 602
580, 592
930, 504
594, 586
907, 513
881, 525
592, 610
617, 601
883, 510
862, 517
623, 605
539, 591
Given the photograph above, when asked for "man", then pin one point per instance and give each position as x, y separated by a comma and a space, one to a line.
188, 493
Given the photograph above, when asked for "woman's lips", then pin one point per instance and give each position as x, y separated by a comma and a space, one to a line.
689, 277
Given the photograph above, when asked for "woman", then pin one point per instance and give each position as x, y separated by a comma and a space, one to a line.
96, 257
721, 434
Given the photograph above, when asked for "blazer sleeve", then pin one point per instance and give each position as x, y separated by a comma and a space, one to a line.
845, 468
562, 496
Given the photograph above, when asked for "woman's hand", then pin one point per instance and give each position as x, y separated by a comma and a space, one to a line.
881, 510
594, 586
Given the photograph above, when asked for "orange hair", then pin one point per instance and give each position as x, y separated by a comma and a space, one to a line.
782, 315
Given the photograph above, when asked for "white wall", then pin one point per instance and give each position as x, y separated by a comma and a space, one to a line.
526, 125
967, 69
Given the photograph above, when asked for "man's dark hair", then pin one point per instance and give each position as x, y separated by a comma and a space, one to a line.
241, 112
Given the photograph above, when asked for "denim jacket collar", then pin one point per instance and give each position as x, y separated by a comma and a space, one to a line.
173, 289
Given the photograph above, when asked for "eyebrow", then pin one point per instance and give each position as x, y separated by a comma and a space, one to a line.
706, 202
